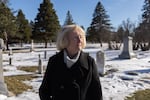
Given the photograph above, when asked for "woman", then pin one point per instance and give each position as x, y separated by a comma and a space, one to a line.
71, 74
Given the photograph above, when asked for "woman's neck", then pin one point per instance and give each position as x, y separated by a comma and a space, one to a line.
71, 54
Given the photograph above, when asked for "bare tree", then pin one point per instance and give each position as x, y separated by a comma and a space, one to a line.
128, 27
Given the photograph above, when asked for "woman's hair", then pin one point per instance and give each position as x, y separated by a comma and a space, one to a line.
62, 38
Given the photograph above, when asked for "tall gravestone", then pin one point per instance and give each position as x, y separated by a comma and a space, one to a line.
127, 52
45, 54
40, 65
32, 46
3, 87
100, 61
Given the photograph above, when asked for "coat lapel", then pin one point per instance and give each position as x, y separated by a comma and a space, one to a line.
83, 60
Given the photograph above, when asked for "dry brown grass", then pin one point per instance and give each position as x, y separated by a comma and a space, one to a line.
28, 69
16, 85
140, 95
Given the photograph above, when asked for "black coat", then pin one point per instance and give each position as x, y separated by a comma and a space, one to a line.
80, 82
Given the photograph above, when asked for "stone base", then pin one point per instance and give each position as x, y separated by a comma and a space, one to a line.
3, 89
127, 55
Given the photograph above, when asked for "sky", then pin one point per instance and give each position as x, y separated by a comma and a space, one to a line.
82, 10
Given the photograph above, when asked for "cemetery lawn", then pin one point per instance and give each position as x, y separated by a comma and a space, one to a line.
123, 78
16, 85
140, 95
28, 69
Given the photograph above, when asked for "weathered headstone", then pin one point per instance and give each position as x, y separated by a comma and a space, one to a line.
127, 52
2, 44
3, 87
40, 65
45, 54
100, 61
10, 56
32, 46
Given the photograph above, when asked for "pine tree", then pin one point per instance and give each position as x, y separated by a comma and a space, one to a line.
24, 29
7, 24
142, 32
4, 1
146, 12
146, 20
120, 34
100, 26
46, 23
69, 19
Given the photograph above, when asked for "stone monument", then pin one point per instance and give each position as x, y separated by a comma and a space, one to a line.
32, 46
40, 65
100, 61
3, 87
127, 52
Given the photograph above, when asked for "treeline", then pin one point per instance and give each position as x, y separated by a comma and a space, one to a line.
44, 28
100, 29
17, 29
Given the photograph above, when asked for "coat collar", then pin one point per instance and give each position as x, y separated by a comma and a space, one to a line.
82, 61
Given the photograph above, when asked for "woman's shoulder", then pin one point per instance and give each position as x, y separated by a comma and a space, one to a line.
86, 54
56, 56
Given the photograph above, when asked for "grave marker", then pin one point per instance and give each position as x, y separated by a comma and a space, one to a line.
40, 65
127, 52
3, 87
100, 60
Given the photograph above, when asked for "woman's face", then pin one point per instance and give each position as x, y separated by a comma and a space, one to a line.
76, 40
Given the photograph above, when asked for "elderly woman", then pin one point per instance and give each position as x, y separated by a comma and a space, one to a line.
71, 74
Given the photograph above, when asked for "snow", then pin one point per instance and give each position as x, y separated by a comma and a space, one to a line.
124, 77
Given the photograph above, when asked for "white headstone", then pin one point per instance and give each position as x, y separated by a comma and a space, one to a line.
32, 46
100, 61
2, 44
3, 87
127, 52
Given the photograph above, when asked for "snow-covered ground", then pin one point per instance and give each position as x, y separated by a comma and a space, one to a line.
117, 84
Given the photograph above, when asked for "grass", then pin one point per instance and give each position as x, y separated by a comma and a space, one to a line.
28, 69
16, 85
140, 95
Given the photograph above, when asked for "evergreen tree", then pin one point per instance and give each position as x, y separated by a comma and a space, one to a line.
69, 19
4, 1
46, 23
146, 12
31, 25
100, 26
7, 24
142, 32
24, 29
120, 34
146, 20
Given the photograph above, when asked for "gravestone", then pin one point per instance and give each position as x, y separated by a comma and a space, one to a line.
45, 54
10, 56
127, 52
40, 65
3, 87
2, 44
100, 61
32, 46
